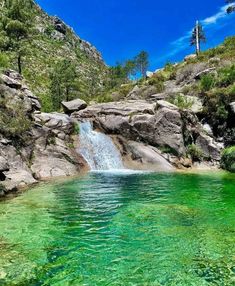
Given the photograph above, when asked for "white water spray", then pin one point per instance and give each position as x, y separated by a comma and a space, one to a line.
98, 149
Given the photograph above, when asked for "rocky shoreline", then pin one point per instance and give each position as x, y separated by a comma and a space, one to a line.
150, 135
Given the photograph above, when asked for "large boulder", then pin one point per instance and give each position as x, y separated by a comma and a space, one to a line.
209, 147
73, 105
156, 124
140, 156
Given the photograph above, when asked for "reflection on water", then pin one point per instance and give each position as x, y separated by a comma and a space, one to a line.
121, 229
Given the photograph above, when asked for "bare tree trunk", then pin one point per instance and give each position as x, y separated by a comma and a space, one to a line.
19, 64
197, 39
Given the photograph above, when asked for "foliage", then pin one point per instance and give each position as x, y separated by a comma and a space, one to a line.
182, 101
16, 24
158, 83
76, 128
228, 159
14, 121
197, 32
207, 82
142, 62
231, 8
4, 60
63, 82
226, 76
195, 152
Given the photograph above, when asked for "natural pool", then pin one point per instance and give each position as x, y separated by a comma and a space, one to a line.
121, 229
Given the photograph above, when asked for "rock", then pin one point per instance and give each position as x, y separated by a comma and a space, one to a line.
149, 74
208, 129
190, 57
158, 96
55, 121
166, 104
59, 25
158, 125
53, 159
4, 166
232, 106
188, 73
200, 74
197, 105
143, 157
74, 105
209, 147
11, 82
144, 92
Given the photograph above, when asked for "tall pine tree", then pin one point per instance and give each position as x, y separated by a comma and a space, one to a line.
198, 36
15, 27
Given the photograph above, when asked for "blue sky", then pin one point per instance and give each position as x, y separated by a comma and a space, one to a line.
122, 28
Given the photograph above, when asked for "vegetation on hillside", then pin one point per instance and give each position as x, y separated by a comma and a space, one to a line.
35, 44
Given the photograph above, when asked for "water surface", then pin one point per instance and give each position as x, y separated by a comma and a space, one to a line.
121, 229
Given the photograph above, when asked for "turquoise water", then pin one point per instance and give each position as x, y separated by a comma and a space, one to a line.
121, 229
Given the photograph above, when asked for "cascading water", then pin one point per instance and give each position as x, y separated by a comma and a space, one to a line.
98, 149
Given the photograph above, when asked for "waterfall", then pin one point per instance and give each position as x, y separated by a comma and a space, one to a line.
98, 149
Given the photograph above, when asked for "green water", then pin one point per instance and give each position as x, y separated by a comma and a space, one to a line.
110, 229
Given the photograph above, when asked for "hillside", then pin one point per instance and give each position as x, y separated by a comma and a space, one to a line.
204, 84
51, 41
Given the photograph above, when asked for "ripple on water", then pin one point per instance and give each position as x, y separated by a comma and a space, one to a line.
121, 229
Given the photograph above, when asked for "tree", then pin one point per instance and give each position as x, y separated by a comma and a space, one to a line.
15, 27
231, 8
142, 62
63, 82
198, 36
130, 68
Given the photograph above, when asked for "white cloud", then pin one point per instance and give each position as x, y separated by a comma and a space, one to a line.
210, 22
213, 19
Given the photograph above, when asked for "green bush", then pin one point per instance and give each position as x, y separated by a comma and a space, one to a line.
181, 101
226, 76
76, 127
207, 82
14, 121
228, 159
157, 82
4, 61
195, 153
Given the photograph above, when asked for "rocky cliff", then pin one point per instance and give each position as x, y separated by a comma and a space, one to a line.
33, 145
50, 41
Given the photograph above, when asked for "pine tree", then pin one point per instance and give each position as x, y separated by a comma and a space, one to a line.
15, 27
63, 82
142, 63
231, 8
198, 36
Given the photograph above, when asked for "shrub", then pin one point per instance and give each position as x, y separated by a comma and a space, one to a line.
195, 152
226, 76
76, 127
228, 159
182, 101
207, 82
158, 83
14, 121
4, 61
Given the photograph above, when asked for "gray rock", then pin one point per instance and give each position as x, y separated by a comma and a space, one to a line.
158, 125
11, 82
209, 147
232, 106
190, 57
144, 157
74, 105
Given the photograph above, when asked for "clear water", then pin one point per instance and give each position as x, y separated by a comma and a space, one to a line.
98, 149
121, 229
